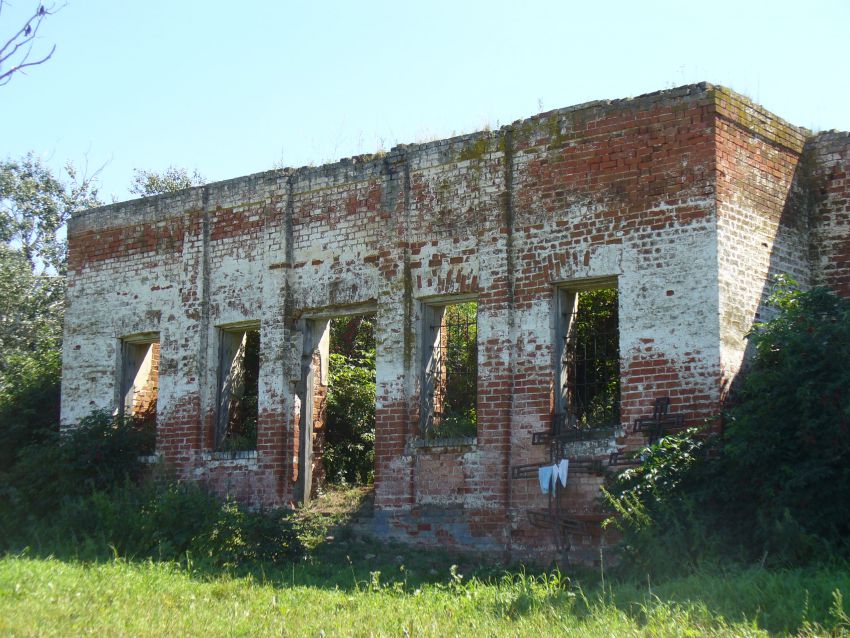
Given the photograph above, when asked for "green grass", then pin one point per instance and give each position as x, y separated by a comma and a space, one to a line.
49, 597
66, 576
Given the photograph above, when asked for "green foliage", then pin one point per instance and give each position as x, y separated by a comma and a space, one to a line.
665, 466
101, 452
31, 310
239, 537
593, 355
312, 598
162, 522
84, 492
29, 402
34, 206
788, 436
775, 488
459, 415
349, 449
148, 183
456, 425
354, 336
662, 509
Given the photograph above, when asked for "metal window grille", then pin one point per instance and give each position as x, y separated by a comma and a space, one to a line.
453, 373
591, 361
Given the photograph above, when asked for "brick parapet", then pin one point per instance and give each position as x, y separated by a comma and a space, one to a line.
757, 120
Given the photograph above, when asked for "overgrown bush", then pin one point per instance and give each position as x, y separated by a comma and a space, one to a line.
169, 522
29, 402
162, 522
99, 453
787, 450
664, 506
776, 487
82, 494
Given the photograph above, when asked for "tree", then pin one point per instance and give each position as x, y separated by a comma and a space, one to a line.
148, 183
34, 206
31, 309
16, 53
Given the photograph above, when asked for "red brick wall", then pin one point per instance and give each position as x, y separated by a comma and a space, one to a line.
762, 230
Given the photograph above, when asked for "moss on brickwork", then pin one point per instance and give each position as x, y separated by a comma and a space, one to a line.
576, 119
759, 121
519, 131
556, 136
474, 151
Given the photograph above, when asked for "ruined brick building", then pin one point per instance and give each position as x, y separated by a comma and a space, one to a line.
680, 204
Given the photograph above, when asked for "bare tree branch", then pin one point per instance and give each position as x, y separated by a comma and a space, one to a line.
18, 48
5, 78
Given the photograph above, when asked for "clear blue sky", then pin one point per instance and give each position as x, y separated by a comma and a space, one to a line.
239, 87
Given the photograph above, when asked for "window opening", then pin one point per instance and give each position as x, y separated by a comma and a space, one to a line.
451, 372
590, 361
239, 370
140, 387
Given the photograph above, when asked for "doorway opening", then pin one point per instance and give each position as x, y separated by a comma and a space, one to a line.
339, 414
348, 453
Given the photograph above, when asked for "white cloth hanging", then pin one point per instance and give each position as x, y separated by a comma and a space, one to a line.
545, 476
563, 470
